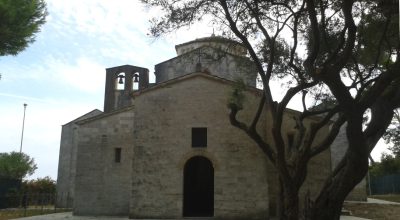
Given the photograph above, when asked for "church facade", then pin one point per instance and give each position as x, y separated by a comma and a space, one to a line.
167, 150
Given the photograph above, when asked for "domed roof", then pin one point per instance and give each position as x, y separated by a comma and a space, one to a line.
228, 45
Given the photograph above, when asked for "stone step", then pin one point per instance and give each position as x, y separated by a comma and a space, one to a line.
346, 212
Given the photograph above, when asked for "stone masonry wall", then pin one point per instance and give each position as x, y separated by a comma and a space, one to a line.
66, 166
164, 118
339, 148
216, 62
102, 185
215, 42
67, 161
318, 168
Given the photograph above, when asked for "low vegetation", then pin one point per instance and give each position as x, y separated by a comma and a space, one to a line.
376, 211
389, 197
6, 214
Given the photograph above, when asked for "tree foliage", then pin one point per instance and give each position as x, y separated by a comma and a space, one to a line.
342, 52
16, 165
392, 135
388, 165
20, 20
38, 186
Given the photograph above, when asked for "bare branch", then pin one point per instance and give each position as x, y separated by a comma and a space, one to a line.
380, 86
253, 54
351, 36
258, 113
312, 54
252, 133
326, 143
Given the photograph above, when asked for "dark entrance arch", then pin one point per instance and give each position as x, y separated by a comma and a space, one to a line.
198, 188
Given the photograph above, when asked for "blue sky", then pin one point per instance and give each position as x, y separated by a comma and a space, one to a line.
61, 76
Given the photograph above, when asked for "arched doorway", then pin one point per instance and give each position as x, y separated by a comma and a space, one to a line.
198, 188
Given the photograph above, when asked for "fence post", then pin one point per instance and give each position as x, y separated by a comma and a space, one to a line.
25, 202
41, 202
55, 201
369, 183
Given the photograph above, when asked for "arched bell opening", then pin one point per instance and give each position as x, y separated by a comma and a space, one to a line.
120, 81
135, 81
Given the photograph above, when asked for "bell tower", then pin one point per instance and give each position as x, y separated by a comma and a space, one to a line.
121, 81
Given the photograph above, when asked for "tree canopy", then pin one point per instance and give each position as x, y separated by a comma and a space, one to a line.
345, 53
388, 165
44, 185
20, 20
16, 165
392, 135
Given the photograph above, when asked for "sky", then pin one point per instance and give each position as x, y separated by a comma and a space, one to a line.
61, 76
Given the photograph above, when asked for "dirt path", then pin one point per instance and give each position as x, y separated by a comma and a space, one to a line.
69, 216
374, 211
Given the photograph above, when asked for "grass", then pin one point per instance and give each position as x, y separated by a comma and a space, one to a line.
366, 210
388, 197
376, 211
6, 214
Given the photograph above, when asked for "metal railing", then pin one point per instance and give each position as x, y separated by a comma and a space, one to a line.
389, 184
29, 204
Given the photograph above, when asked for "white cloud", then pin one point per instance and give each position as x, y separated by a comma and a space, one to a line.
42, 128
27, 98
381, 147
100, 17
79, 40
61, 76
114, 31
120, 26
83, 74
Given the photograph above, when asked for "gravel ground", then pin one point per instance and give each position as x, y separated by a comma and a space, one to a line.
375, 209
68, 216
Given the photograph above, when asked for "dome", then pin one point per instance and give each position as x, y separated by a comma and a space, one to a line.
218, 42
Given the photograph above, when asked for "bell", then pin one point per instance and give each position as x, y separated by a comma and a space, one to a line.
120, 81
136, 78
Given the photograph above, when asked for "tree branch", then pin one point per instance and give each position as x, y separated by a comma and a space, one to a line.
328, 140
253, 55
312, 54
252, 133
351, 36
253, 125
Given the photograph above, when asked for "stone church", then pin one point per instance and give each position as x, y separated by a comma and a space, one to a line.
167, 150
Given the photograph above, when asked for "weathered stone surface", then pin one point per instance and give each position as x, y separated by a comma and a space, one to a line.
220, 43
339, 148
102, 185
154, 134
115, 98
206, 58
164, 118
318, 167
67, 161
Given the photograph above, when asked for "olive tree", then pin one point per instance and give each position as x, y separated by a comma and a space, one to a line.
342, 54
